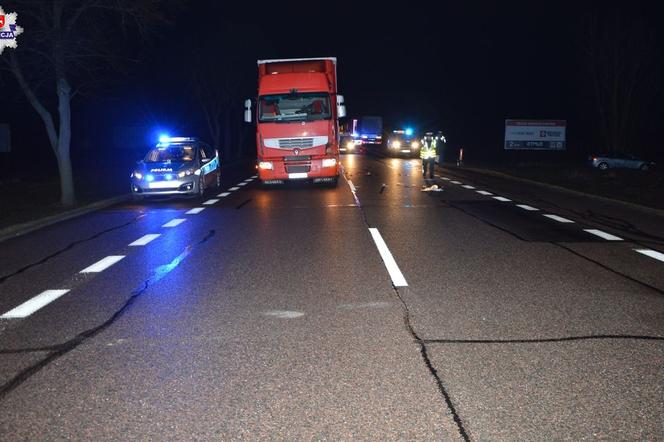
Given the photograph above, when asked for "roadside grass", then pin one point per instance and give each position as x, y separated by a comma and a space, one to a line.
634, 186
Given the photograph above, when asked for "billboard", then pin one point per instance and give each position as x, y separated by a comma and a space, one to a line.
535, 134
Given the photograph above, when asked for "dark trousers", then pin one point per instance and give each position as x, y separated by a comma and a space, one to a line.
428, 162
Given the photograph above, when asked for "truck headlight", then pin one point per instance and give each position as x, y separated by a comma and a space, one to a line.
138, 175
265, 165
329, 162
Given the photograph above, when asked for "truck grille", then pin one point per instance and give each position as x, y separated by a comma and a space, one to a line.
290, 143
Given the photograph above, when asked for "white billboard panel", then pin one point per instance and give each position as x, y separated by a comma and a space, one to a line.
535, 134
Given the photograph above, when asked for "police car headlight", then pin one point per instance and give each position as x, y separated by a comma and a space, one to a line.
396, 144
185, 173
138, 175
350, 145
414, 144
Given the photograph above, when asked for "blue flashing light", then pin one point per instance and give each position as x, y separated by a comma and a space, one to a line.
168, 177
164, 138
149, 178
409, 131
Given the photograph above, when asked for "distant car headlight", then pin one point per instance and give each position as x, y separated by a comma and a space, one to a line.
415, 145
265, 165
185, 173
396, 144
138, 175
329, 162
350, 145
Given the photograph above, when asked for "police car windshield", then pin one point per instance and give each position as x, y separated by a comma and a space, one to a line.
172, 153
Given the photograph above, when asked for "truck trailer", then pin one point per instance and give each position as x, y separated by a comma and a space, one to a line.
297, 113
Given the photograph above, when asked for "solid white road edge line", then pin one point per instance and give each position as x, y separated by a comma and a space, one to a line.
484, 192
651, 253
392, 268
467, 186
223, 194
352, 186
527, 207
604, 235
233, 189
144, 240
32, 305
103, 264
174, 222
501, 198
210, 202
560, 219
194, 211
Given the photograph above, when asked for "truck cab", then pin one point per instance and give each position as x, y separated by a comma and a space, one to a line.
297, 112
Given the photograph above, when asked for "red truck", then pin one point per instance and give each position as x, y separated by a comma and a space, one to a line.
297, 112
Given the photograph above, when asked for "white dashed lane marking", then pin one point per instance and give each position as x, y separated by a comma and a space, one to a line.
527, 207
32, 305
255, 176
195, 211
484, 192
651, 253
604, 235
445, 178
392, 268
466, 186
455, 182
103, 264
242, 184
501, 198
174, 222
210, 202
560, 219
233, 189
223, 194
144, 240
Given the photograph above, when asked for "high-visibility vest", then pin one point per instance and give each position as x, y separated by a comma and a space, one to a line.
428, 150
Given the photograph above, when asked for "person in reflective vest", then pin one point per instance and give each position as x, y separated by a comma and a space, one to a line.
428, 155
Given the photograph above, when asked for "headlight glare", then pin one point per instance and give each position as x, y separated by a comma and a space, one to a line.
265, 165
329, 162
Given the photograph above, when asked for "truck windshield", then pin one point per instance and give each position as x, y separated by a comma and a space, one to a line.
171, 153
294, 107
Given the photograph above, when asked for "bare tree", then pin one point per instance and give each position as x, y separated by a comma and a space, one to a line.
620, 52
66, 47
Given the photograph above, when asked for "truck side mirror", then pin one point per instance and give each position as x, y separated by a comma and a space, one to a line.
341, 107
247, 111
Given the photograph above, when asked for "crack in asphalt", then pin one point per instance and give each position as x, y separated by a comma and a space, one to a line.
242, 204
542, 340
62, 349
67, 248
423, 348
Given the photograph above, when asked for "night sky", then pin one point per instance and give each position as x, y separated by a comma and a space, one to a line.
462, 67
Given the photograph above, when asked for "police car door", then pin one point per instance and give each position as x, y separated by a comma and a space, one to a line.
208, 163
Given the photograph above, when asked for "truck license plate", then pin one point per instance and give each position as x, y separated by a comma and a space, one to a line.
294, 176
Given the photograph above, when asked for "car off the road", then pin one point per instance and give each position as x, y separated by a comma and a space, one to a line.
620, 161
177, 166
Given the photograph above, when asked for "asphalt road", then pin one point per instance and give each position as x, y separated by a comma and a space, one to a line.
487, 311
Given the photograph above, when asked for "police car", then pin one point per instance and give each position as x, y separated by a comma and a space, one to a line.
177, 166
